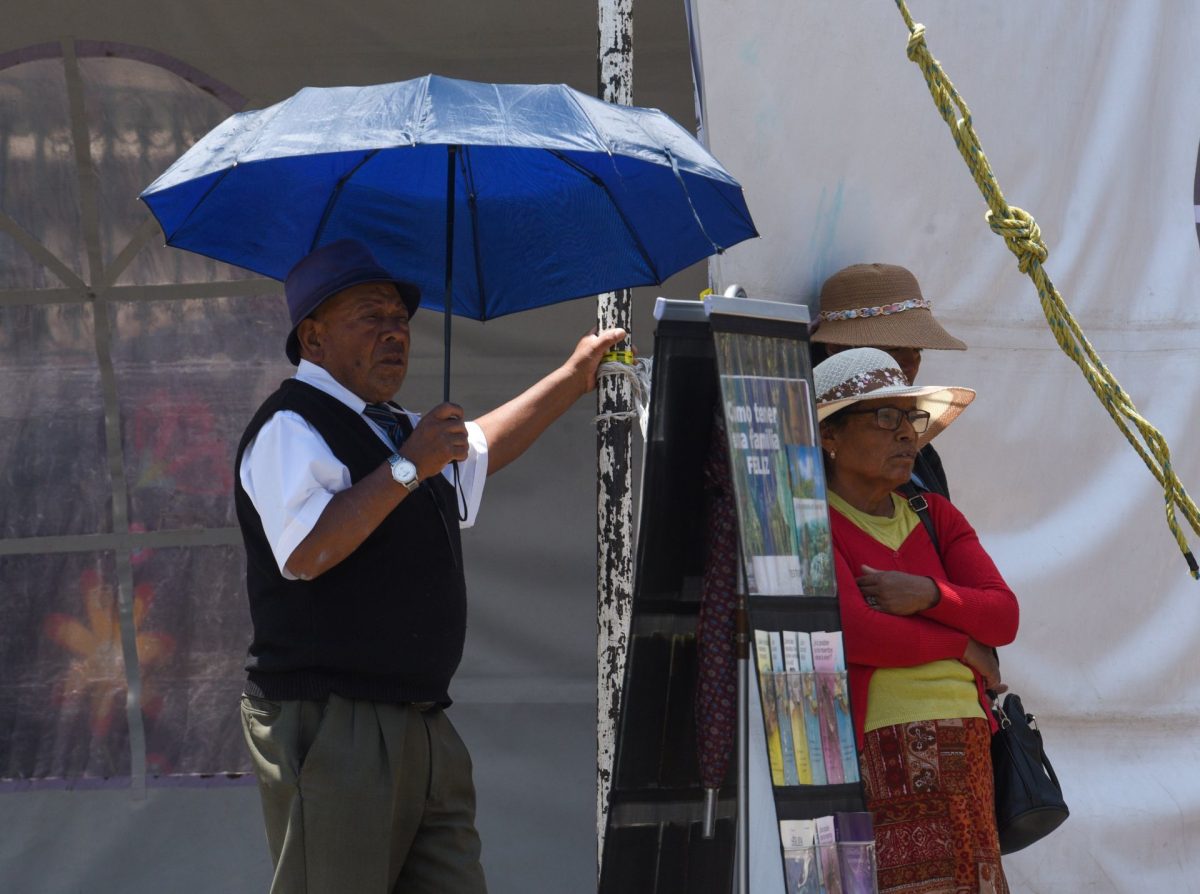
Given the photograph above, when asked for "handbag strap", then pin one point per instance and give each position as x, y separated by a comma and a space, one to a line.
919, 505
1030, 724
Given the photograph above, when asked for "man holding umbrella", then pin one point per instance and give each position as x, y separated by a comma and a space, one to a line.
356, 587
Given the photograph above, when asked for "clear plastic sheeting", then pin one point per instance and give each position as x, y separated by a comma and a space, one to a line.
62, 704
129, 371
140, 118
63, 689
53, 467
193, 620
39, 183
189, 374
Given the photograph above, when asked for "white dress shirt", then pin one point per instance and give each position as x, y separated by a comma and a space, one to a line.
290, 474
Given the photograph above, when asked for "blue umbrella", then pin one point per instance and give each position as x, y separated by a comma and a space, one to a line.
560, 195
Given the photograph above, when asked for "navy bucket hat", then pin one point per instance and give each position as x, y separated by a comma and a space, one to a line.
328, 270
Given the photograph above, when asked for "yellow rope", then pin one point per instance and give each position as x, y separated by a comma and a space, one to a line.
1023, 238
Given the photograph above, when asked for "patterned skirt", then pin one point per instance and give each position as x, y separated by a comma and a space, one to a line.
929, 785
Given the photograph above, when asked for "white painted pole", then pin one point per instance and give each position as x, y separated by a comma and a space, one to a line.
614, 487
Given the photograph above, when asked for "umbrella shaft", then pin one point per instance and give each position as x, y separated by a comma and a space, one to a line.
451, 154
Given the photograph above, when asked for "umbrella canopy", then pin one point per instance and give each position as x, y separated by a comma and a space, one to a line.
556, 194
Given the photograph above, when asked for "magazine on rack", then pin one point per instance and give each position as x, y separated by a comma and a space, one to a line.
802, 712
783, 708
810, 708
770, 706
779, 483
837, 727
800, 856
829, 854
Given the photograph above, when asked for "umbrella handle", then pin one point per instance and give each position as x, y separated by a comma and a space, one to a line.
460, 499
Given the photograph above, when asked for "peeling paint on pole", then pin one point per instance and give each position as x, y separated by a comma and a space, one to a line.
615, 57
614, 483
614, 562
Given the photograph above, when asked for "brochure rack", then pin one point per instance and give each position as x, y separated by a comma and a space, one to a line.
743, 363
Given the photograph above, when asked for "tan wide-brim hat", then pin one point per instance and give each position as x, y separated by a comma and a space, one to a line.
879, 306
868, 374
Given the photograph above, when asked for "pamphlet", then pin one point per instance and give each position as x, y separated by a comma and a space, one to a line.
827, 856
837, 727
856, 851
800, 856
784, 711
796, 697
766, 685
810, 706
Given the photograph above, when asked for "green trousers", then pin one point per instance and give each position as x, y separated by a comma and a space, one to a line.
364, 798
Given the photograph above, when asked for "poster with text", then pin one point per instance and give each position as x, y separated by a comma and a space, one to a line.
780, 485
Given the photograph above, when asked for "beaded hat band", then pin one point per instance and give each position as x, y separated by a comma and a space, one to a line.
870, 374
879, 306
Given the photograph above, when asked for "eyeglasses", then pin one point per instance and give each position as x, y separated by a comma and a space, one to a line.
889, 418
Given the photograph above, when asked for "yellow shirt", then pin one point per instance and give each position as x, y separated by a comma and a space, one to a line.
939, 690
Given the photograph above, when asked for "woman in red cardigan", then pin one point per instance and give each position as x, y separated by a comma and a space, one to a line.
920, 621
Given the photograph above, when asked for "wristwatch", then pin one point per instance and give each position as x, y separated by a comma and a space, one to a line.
403, 472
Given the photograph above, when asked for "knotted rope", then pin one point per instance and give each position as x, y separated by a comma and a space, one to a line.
1023, 238
637, 372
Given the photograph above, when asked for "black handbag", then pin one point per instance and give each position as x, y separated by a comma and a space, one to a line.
1029, 800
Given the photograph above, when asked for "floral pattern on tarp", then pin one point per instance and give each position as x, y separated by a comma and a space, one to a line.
96, 673
180, 450
62, 676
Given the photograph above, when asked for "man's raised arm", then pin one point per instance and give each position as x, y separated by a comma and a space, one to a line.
512, 427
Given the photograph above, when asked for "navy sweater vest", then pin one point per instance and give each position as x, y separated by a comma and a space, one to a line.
385, 624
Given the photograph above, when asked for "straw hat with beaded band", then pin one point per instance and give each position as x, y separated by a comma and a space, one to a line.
879, 305
869, 374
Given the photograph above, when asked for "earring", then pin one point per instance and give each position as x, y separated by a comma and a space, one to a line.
832, 455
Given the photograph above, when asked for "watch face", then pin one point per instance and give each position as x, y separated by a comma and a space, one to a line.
404, 471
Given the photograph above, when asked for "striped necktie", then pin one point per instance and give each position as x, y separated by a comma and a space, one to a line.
387, 419
383, 416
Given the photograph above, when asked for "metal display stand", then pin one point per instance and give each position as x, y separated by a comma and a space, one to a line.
662, 836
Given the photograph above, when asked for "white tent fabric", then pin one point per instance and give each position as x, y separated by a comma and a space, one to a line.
1087, 111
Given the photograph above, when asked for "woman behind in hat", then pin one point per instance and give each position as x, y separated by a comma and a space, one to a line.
921, 619
881, 306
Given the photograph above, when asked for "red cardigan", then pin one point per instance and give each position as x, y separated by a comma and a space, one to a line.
976, 602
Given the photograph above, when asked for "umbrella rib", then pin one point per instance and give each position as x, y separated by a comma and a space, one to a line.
422, 109
469, 176
195, 205
588, 118
264, 115
738, 212
679, 177
628, 227
335, 195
